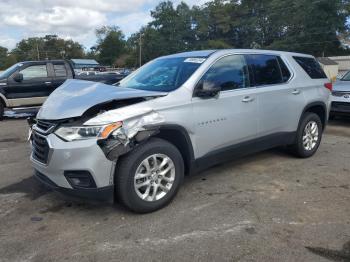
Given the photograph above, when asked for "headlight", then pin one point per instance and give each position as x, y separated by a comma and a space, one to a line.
73, 133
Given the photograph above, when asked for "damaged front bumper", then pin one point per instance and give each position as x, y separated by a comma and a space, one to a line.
86, 168
78, 168
105, 194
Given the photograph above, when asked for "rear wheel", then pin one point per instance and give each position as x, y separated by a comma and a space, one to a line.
309, 136
149, 177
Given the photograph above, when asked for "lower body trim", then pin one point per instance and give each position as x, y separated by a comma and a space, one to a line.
104, 194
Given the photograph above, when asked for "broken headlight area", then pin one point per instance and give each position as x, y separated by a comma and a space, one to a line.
75, 133
130, 134
119, 143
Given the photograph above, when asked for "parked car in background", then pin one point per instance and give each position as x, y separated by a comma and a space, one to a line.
126, 71
341, 97
86, 73
28, 84
177, 115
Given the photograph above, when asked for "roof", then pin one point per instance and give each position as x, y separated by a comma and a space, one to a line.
85, 61
202, 53
207, 53
326, 61
42, 61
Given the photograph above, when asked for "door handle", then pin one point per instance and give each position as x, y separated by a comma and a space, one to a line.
296, 92
247, 99
48, 83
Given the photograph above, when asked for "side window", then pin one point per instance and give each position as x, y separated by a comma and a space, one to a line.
311, 67
60, 70
35, 71
284, 70
266, 69
229, 73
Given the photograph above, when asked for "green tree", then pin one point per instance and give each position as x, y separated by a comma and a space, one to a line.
311, 27
3, 57
110, 44
174, 27
170, 31
48, 47
304, 26
6, 59
213, 25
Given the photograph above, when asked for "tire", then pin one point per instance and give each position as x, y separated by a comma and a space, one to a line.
2, 109
300, 149
136, 161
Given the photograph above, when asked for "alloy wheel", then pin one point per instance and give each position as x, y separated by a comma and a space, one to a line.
310, 136
154, 177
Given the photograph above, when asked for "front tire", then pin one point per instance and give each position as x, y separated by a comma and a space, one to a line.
309, 136
149, 177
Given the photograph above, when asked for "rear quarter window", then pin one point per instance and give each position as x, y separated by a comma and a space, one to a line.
60, 70
284, 70
311, 67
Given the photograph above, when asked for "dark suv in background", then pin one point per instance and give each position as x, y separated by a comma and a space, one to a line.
28, 84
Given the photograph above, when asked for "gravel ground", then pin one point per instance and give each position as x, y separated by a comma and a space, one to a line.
266, 207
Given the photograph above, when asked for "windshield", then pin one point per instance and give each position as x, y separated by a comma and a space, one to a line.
10, 70
165, 74
346, 77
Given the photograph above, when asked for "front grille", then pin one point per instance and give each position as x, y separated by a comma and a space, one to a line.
41, 148
341, 106
45, 126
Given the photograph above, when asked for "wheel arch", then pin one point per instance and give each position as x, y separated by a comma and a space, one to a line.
3, 100
179, 137
320, 109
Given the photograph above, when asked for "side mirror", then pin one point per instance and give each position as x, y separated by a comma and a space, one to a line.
18, 77
207, 89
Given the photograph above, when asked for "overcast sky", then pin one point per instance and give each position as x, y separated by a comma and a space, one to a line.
75, 19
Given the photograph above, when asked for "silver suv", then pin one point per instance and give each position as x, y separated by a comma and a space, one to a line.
135, 141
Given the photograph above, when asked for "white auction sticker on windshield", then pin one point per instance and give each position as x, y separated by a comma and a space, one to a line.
195, 60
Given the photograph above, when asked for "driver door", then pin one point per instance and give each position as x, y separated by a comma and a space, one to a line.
231, 117
33, 89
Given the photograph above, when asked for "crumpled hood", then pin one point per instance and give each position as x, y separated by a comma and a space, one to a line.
341, 86
75, 97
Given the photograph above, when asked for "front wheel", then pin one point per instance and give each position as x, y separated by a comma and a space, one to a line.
149, 177
309, 136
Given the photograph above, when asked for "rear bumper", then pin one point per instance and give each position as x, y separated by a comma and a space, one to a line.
104, 194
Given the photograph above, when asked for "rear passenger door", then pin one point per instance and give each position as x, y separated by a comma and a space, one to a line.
229, 118
278, 101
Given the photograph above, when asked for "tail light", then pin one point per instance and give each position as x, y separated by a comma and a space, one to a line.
329, 86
